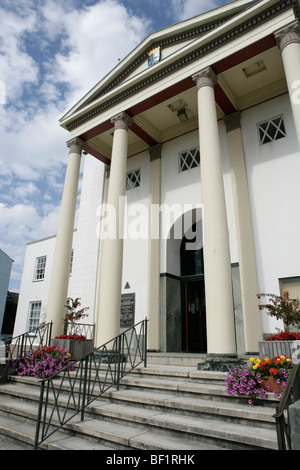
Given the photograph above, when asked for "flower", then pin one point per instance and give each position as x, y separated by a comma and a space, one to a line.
42, 362
282, 308
243, 380
72, 316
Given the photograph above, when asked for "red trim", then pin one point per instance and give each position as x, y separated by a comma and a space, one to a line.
97, 154
105, 126
223, 101
142, 134
244, 54
221, 98
161, 96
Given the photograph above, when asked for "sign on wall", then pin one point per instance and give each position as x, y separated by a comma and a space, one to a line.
127, 310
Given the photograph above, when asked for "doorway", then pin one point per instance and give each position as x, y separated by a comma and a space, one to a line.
193, 316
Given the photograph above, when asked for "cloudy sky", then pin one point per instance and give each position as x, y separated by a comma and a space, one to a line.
51, 53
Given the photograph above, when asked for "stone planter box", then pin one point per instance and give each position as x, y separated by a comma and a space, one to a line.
78, 348
277, 348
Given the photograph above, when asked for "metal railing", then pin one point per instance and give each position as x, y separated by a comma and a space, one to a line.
282, 422
26, 342
70, 391
85, 329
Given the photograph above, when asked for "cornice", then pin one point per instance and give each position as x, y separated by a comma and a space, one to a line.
161, 73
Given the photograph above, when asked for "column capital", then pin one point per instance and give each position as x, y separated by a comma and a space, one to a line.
232, 121
289, 34
76, 145
155, 152
205, 77
121, 121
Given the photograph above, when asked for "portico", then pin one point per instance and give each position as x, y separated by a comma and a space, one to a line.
211, 69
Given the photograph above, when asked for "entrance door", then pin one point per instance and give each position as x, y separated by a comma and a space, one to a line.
194, 316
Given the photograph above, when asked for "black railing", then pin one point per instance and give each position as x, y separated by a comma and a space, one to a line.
85, 329
282, 422
27, 342
70, 391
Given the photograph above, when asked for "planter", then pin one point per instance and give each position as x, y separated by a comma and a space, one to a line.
271, 385
78, 348
278, 348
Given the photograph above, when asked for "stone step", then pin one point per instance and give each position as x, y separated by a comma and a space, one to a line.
120, 426
160, 407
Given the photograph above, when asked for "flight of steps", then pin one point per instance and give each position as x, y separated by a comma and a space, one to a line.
167, 406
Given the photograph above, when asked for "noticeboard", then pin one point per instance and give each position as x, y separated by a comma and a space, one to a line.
127, 310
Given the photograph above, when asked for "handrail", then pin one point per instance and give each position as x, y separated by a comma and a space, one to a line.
26, 342
70, 391
283, 426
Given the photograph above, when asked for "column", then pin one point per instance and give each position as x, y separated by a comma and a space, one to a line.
247, 264
217, 265
62, 256
153, 302
288, 39
108, 315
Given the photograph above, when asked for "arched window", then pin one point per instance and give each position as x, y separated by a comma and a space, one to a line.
191, 261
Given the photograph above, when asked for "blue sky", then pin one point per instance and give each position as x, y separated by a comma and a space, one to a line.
51, 53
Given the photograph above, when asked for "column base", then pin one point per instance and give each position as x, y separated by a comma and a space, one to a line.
220, 362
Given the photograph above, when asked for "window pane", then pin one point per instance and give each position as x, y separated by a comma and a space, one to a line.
271, 130
34, 314
189, 159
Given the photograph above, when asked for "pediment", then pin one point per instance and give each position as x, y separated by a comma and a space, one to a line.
166, 42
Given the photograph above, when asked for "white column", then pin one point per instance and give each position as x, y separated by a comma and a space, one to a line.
244, 231
288, 39
153, 302
217, 265
62, 256
108, 315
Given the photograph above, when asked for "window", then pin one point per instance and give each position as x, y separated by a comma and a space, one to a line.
133, 179
189, 159
271, 130
34, 314
40, 266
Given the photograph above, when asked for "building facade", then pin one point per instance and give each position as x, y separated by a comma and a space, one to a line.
198, 134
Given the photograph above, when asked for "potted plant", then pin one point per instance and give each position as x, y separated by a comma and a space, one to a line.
77, 344
42, 362
283, 342
262, 376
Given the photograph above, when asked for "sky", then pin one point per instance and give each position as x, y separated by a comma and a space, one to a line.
52, 52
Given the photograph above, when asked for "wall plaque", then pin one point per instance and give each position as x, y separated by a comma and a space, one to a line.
127, 310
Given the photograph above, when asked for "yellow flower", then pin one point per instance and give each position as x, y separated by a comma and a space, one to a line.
252, 359
288, 359
255, 367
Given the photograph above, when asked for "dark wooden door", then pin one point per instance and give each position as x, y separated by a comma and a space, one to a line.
195, 318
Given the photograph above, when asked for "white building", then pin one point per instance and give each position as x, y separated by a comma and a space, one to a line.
204, 118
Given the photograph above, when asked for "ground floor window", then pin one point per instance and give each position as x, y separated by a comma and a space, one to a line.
34, 314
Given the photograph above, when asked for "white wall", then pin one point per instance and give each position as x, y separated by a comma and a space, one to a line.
135, 258
273, 171
31, 290
85, 245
